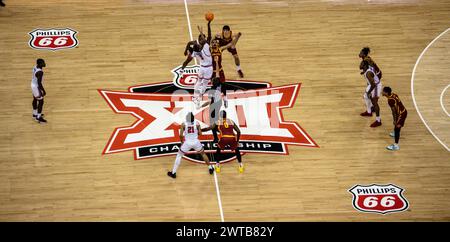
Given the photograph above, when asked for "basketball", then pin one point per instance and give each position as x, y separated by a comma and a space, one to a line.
209, 16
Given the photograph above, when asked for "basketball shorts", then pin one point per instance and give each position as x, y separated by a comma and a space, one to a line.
205, 73
191, 145
232, 50
402, 119
376, 92
230, 142
36, 92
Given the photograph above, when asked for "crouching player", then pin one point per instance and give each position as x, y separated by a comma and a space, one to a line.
224, 135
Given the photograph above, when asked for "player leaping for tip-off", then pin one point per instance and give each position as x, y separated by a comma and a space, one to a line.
217, 50
225, 38
202, 51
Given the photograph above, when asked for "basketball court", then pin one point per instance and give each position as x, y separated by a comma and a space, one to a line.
64, 170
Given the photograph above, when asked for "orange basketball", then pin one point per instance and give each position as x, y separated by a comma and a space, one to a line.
209, 16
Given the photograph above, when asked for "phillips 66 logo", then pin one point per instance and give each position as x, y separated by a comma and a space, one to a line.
53, 39
186, 79
379, 198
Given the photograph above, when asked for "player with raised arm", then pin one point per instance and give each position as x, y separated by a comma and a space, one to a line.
202, 51
216, 51
225, 38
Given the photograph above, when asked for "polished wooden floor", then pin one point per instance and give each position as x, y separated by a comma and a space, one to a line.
56, 172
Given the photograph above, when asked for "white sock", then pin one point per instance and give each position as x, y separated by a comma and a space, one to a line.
395, 144
34, 111
177, 163
378, 118
368, 104
238, 68
39, 115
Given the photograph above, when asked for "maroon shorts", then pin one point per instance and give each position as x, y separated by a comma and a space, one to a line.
402, 119
225, 142
232, 50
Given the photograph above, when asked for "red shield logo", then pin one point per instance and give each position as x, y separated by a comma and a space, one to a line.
187, 79
379, 198
53, 39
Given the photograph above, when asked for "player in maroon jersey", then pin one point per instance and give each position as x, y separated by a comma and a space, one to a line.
216, 52
226, 135
399, 114
225, 38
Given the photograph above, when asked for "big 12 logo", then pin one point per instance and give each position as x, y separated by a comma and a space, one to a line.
53, 39
160, 108
381, 199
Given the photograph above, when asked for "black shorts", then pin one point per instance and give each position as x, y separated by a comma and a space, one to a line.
232, 50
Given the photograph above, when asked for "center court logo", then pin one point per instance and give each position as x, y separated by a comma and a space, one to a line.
160, 108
